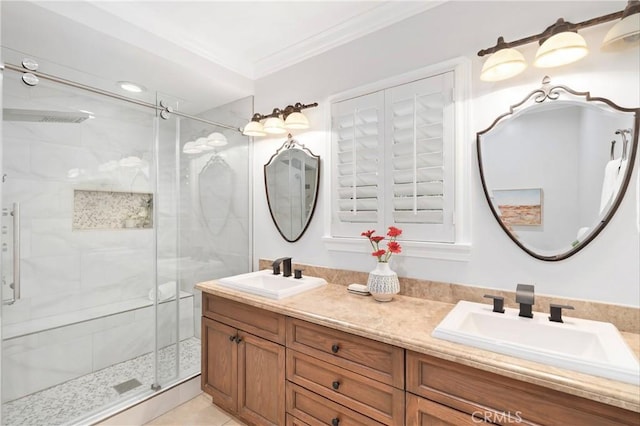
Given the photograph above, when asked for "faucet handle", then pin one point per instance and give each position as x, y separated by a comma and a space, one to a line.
276, 269
498, 303
556, 312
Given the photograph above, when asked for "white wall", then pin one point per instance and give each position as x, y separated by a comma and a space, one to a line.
607, 270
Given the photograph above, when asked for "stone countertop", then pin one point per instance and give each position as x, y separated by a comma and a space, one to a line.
408, 322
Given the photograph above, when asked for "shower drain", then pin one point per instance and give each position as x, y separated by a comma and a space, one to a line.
127, 386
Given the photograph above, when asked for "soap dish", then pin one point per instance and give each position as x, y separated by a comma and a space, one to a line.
358, 289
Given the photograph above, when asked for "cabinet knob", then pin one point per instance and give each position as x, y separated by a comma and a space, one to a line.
238, 339
335, 385
232, 338
335, 421
335, 348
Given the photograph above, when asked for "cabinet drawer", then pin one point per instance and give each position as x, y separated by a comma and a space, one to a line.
379, 361
266, 324
315, 410
292, 421
379, 401
471, 390
422, 412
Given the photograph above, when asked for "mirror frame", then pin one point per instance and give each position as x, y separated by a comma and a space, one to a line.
289, 144
551, 93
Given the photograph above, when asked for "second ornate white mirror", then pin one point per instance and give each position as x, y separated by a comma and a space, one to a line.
556, 166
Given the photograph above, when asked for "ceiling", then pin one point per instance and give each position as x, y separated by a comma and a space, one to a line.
255, 38
205, 53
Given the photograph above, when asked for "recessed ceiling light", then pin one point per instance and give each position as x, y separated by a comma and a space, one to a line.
131, 87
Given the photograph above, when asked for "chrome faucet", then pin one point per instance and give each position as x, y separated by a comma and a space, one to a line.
286, 266
525, 297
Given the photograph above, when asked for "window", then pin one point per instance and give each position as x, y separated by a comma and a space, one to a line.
393, 161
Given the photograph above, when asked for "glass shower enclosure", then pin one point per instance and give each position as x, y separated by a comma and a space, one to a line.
107, 224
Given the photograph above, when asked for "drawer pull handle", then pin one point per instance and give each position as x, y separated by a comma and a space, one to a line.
335, 385
335, 348
335, 421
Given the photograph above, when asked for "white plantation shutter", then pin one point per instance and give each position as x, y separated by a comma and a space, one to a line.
357, 130
420, 123
393, 161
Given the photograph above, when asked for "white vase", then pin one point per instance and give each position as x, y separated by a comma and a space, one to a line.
383, 282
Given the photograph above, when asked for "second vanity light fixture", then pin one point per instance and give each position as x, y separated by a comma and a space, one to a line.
560, 44
280, 121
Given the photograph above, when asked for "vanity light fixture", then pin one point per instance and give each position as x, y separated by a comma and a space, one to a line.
626, 32
274, 126
503, 64
560, 44
563, 46
279, 122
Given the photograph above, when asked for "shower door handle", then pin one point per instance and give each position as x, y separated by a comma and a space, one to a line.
16, 251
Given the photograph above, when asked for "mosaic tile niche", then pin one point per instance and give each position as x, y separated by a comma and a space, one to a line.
112, 210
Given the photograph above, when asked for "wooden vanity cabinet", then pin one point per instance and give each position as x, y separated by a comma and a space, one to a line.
269, 369
501, 400
243, 372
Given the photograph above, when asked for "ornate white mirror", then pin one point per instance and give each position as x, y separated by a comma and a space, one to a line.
555, 168
291, 179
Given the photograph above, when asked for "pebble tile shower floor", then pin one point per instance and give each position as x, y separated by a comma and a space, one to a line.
70, 400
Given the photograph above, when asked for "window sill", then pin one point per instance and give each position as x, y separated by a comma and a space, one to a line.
458, 252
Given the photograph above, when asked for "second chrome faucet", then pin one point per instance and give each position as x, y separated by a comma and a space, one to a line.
525, 297
286, 266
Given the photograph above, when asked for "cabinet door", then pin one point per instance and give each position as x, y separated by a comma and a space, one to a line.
261, 380
220, 363
422, 412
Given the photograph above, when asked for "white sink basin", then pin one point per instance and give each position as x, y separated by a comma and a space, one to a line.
264, 283
590, 347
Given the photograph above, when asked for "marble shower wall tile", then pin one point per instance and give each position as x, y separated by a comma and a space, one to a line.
37, 361
61, 266
625, 318
31, 370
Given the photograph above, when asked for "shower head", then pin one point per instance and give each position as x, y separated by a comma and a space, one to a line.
37, 116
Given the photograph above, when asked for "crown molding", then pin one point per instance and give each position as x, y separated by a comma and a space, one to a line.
386, 14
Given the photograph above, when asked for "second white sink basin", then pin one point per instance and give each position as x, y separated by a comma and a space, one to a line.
590, 347
264, 283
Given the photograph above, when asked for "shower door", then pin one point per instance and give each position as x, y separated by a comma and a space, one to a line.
204, 219
79, 295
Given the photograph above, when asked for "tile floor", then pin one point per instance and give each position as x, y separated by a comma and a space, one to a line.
70, 401
197, 412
